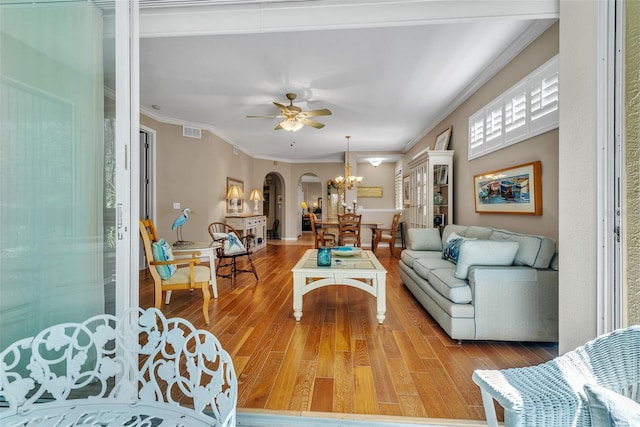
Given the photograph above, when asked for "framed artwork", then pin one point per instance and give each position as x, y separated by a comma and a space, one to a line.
240, 201
513, 190
369, 192
442, 141
405, 191
441, 174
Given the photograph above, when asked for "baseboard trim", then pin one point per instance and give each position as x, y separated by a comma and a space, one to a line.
273, 418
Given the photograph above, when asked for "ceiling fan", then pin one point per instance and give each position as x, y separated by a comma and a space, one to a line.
294, 117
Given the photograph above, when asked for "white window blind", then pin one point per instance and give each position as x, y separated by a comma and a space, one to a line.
476, 134
525, 110
397, 184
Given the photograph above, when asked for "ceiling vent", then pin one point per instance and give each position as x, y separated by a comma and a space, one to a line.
191, 132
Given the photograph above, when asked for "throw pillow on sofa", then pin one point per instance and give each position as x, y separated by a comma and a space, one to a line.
484, 252
424, 239
451, 250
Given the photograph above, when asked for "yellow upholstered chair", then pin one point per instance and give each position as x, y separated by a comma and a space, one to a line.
349, 227
388, 235
166, 272
320, 235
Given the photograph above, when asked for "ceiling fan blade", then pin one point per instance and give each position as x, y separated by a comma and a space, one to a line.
278, 127
282, 108
314, 113
311, 123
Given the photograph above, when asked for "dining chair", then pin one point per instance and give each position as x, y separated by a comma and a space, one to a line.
387, 235
166, 271
273, 232
320, 235
233, 247
349, 228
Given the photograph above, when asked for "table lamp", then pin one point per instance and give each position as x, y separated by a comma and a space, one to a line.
256, 196
234, 193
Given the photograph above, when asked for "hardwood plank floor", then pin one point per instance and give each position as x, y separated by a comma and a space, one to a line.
337, 359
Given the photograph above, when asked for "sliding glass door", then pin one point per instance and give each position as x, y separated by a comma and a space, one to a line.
65, 228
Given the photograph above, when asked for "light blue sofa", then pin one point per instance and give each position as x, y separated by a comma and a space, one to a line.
503, 287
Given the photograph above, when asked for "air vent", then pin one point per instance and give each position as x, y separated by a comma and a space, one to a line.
191, 132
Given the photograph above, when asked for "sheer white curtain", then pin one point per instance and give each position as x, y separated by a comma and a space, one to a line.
52, 175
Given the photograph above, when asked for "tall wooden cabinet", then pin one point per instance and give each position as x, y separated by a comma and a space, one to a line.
431, 189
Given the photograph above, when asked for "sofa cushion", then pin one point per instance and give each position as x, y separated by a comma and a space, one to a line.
459, 230
425, 265
484, 252
232, 245
409, 257
534, 251
424, 239
476, 232
610, 409
161, 251
447, 285
451, 250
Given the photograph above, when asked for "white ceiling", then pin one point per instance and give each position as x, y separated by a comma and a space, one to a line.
388, 70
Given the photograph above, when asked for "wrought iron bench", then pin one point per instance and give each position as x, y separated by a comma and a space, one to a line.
139, 370
552, 393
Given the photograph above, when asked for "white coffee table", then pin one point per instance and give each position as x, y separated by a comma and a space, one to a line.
362, 271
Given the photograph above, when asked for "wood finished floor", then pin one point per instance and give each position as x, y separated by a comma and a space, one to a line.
338, 359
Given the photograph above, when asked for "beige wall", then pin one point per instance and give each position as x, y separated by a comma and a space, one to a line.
631, 238
381, 176
194, 173
542, 147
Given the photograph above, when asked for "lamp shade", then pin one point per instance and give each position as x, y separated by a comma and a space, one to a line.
235, 192
256, 194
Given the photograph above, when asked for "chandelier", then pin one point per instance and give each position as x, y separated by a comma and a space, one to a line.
348, 181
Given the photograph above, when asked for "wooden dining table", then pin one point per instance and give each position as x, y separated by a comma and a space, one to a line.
371, 225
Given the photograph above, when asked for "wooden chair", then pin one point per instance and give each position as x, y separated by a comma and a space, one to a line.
349, 227
320, 235
191, 277
388, 235
138, 369
220, 232
273, 233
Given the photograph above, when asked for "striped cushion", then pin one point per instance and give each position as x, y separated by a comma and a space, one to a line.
162, 252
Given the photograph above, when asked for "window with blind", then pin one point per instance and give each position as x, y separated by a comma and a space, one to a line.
527, 109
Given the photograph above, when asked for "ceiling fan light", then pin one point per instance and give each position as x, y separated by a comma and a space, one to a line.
291, 125
375, 162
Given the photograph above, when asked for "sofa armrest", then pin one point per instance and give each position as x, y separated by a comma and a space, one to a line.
515, 303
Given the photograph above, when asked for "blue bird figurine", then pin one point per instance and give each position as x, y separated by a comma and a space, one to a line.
177, 225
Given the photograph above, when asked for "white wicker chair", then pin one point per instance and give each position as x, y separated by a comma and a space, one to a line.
551, 394
139, 370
